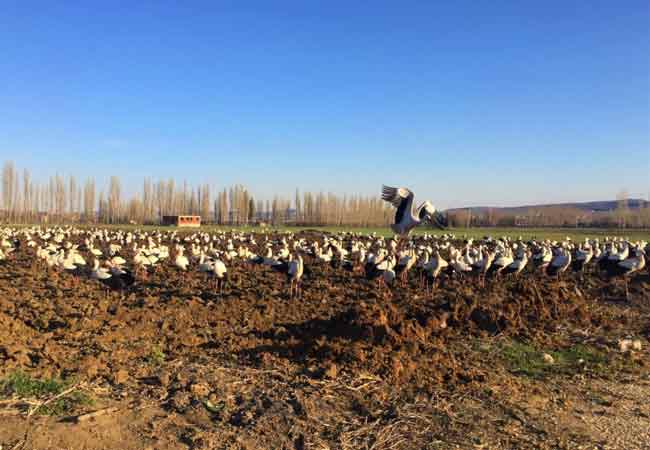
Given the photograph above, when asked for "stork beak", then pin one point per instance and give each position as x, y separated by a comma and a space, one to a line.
439, 220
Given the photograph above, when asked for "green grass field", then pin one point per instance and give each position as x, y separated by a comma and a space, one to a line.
576, 234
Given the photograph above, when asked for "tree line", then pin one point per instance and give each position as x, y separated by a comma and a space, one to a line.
63, 199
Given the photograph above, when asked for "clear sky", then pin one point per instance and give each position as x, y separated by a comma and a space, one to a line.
467, 103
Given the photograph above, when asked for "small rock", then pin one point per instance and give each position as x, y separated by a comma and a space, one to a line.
281, 332
548, 359
624, 345
200, 390
181, 378
332, 371
22, 358
180, 401
191, 340
120, 377
164, 378
443, 321
90, 366
582, 333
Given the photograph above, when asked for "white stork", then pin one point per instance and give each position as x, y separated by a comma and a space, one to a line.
627, 267
406, 217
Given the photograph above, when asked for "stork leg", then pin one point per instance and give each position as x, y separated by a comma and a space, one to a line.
430, 286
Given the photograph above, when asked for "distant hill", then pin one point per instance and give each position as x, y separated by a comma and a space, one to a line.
596, 206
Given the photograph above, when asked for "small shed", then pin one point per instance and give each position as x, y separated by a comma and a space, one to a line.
182, 221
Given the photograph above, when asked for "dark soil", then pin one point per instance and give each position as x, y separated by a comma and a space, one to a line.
348, 366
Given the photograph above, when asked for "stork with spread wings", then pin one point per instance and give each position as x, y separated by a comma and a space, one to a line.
406, 217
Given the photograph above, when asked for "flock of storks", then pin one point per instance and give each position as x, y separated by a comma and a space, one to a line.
120, 258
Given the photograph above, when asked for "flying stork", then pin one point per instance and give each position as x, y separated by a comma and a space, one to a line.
406, 217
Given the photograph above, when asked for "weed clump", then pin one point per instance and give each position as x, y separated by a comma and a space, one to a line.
23, 386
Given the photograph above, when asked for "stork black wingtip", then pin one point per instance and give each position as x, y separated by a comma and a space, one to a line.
440, 221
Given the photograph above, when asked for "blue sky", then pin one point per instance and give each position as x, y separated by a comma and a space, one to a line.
467, 103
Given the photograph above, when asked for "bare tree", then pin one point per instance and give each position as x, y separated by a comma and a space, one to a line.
72, 209
147, 202
27, 198
204, 201
60, 198
251, 210
114, 194
102, 209
89, 200
298, 208
8, 176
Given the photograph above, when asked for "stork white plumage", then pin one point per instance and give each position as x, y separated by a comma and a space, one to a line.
483, 264
406, 261
433, 269
118, 260
407, 217
582, 257
181, 260
220, 273
99, 273
518, 265
294, 273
